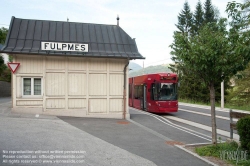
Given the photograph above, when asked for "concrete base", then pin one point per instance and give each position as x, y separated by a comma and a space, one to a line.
69, 112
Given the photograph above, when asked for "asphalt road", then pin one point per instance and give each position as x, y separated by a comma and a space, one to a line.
201, 115
206, 120
143, 140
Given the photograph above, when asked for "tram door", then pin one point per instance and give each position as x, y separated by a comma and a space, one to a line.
144, 97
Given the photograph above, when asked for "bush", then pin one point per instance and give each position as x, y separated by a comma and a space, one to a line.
243, 127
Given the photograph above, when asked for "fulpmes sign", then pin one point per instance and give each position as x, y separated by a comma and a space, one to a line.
52, 46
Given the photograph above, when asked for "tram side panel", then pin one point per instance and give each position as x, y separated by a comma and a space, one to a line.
142, 95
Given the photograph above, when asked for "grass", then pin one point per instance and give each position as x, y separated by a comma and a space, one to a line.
226, 151
227, 105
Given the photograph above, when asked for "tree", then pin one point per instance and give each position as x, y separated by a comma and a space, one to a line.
192, 87
3, 34
209, 13
213, 55
239, 13
198, 17
185, 19
1, 64
4, 71
240, 94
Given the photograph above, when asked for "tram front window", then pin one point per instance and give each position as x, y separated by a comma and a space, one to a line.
164, 91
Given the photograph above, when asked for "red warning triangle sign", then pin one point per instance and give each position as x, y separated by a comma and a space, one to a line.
13, 66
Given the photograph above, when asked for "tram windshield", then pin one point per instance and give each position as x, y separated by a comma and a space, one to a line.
164, 91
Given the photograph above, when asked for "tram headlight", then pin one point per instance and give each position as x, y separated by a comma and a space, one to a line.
157, 103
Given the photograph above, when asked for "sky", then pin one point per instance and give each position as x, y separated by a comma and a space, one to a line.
151, 22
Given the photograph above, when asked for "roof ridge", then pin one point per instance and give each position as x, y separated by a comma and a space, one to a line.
65, 21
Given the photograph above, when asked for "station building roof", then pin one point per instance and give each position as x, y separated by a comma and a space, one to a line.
104, 41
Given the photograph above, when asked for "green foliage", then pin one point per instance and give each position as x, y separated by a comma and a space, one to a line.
243, 128
227, 105
198, 17
3, 34
239, 13
10, 58
209, 13
5, 74
2, 65
211, 54
235, 42
215, 151
212, 150
240, 94
192, 85
194, 89
185, 20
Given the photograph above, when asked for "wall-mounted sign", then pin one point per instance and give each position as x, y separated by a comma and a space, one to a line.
54, 46
13, 66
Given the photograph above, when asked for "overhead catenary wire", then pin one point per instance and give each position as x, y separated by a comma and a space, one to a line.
149, 63
5, 24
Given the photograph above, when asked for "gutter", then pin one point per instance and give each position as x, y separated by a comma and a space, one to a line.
124, 90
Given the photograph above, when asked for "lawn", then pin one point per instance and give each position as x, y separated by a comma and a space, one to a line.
227, 105
228, 151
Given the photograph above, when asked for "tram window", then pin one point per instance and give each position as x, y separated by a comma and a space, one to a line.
153, 91
140, 91
164, 91
136, 92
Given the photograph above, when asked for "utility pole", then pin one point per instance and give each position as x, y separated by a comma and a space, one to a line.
222, 94
143, 68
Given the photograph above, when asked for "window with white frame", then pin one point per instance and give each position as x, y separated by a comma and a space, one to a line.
32, 86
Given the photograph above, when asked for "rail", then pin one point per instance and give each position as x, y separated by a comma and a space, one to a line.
236, 115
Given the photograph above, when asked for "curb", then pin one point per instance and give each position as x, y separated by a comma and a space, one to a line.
216, 108
182, 147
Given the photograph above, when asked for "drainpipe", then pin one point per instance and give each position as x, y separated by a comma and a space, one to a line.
124, 91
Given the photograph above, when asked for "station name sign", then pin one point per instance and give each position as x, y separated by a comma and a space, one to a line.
54, 46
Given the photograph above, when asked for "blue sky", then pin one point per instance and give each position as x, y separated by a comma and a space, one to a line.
151, 22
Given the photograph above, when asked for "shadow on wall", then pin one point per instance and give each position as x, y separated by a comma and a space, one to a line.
5, 89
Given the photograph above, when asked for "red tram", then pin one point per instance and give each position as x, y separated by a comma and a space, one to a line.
154, 92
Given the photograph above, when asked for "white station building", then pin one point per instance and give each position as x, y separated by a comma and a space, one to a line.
70, 69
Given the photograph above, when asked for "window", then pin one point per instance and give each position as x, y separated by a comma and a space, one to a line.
32, 86
138, 91
164, 91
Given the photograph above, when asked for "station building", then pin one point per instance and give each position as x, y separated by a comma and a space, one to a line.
69, 68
